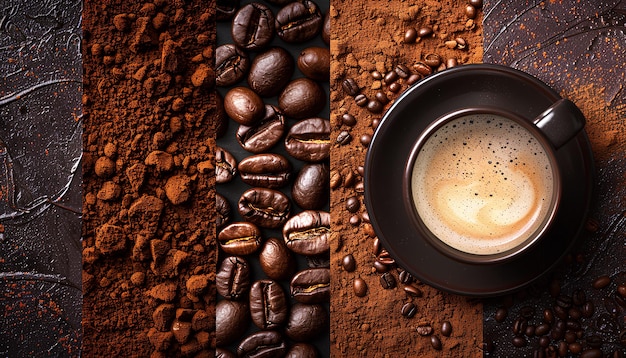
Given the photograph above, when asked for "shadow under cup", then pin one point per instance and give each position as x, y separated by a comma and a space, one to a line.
483, 183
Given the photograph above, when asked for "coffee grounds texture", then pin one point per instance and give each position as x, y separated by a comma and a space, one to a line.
369, 37
148, 252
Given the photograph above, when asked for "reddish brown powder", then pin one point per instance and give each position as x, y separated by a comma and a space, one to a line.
368, 36
148, 229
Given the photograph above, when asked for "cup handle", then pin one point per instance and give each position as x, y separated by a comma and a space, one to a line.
561, 122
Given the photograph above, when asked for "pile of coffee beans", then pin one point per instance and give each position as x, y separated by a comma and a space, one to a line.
272, 170
583, 321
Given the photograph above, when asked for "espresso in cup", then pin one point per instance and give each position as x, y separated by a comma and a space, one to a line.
483, 184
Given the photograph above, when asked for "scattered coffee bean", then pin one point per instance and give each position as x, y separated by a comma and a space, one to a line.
446, 329
360, 287
451, 62
232, 280
575, 348
244, 106
306, 322
268, 304
435, 342
311, 285
348, 119
344, 137
432, 60
381, 97
302, 350
412, 290
298, 22
405, 277
375, 106
307, 232
361, 100
425, 31
310, 188
402, 71
353, 204
461, 44
591, 353
601, 282
314, 62
410, 35
387, 281
231, 321
408, 310
413, 78
365, 139
501, 314
263, 135
262, 344
348, 263
225, 166
271, 71
336, 179
231, 65
588, 309
396, 87
276, 259
519, 341
350, 86
470, 12
223, 210
476, 3
390, 77
264, 207
519, 326
380, 267
548, 315
309, 140
302, 98
355, 220
253, 26
268, 170
240, 238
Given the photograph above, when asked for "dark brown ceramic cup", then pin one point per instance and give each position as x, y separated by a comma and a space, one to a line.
484, 183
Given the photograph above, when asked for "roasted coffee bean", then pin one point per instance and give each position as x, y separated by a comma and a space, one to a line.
343, 138
413, 291
413, 78
575, 313
270, 71
240, 238
231, 321
575, 347
425, 330
579, 297
527, 312
361, 100
390, 77
232, 280
225, 166
588, 309
425, 31
253, 27
501, 314
219, 118
264, 207
276, 259
564, 301
470, 12
377, 75
408, 310
519, 341
263, 135
268, 304
446, 328
299, 21
435, 342
402, 71
302, 350
380, 267
223, 210
224, 353
353, 204
621, 290
601, 282
267, 170
359, 188
476, 3
375, 106
530, 331
231, 65
542, 329
451, 62
326, 29
360, 287
548, 315
405, 277
262, 344
225, 9
544, 341
387, 281
244, 106
348, 119
314, 62
307, 233
306, 322
381, 97
432, 60
591, 353
336, 179
410, 35
560, 312
302, 98
422, 68
309, 140
355, 220
519, 326
310, 188
350, 86
311, 285
348, 263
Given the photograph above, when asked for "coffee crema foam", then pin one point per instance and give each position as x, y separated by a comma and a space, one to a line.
482, 184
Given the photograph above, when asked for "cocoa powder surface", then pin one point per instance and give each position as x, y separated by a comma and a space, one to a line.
366, 37
148, 225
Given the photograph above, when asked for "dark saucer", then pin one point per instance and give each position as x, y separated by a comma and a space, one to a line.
447, 91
